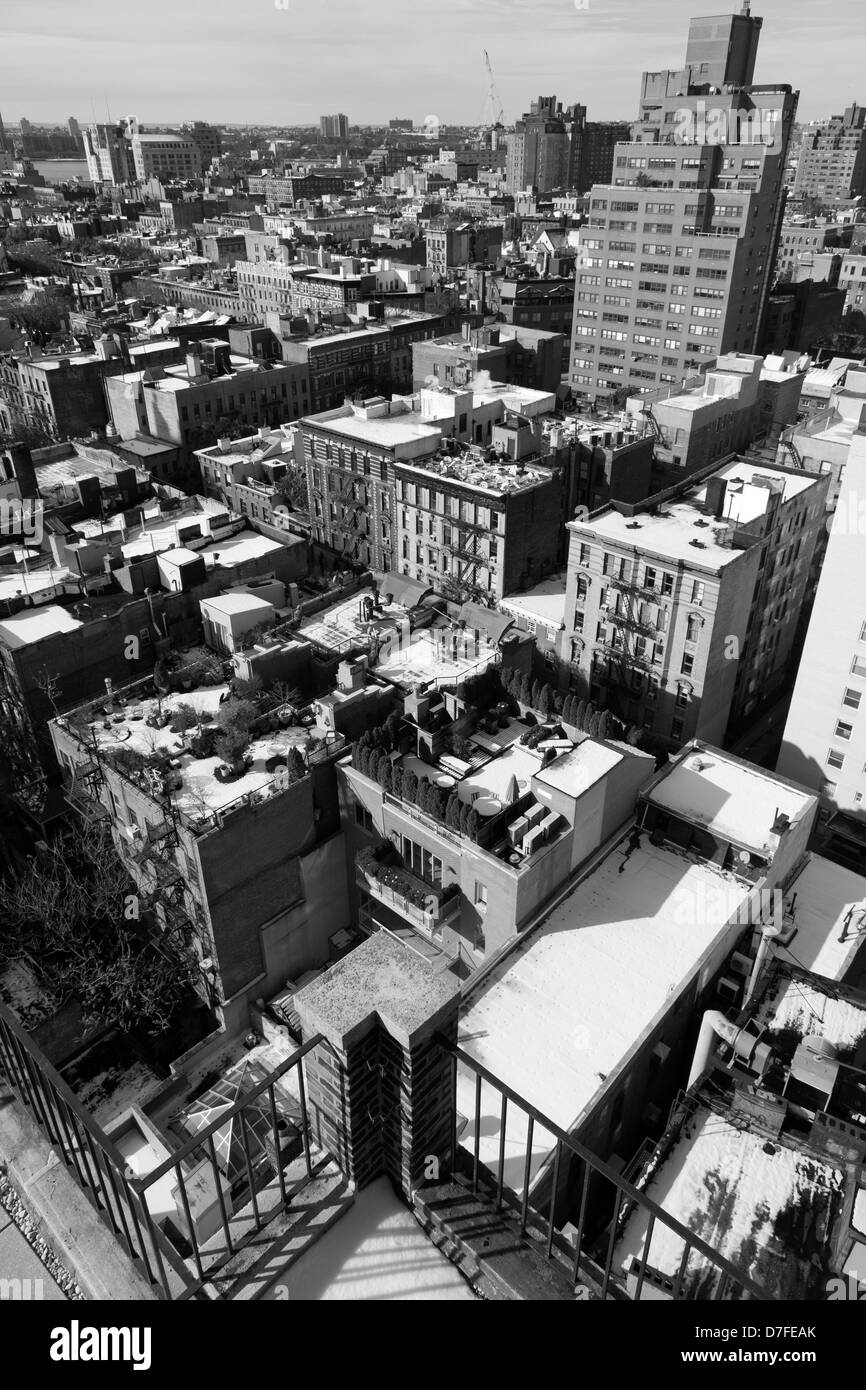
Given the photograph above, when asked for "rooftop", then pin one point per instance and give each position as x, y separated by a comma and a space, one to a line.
679, 528
121, 727
565, 1010
735, 801
36, 623
759, 1204
830, 917
545, 603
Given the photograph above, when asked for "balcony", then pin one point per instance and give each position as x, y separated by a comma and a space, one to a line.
416, 901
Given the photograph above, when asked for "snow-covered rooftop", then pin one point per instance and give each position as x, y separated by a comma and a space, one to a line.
751, 1201
565, 1010
35, 623
545, 603
734, 801
830, 917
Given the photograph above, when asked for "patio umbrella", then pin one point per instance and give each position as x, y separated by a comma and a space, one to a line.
513, 792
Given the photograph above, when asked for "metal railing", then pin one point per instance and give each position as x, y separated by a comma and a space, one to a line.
171, 1255
604, 1197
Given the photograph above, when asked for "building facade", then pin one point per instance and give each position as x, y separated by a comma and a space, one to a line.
681, 613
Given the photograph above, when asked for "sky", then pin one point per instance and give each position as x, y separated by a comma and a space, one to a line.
286, 62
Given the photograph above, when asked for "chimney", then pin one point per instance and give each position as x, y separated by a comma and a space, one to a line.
716, 489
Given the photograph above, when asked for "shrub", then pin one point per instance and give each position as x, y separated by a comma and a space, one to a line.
545, 700
580, 714
297, 768
203, 744
183, 718
410, 786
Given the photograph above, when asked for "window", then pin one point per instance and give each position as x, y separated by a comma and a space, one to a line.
843, 730
858, 667
667, 585
835, 759
650, 578
852, 698
363, 818
688, 664
693, 627
481, 897
697, 592
677, 726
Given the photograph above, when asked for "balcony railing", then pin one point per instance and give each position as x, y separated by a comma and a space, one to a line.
439, 908
279, 1158
633, 622
597, 1188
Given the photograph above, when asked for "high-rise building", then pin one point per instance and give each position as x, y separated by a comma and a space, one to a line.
109, 154
832, 161
334, 127
824, 744
681, 612
675, 264
597, 150
544, 149
74, 128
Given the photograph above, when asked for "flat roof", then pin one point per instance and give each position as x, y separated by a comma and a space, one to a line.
749, 1200
791, 1003
735, 801
743, 505
389, 431
575, 772
36, 623
830, 917
567, 1007
545, 603
229, 604
247, 545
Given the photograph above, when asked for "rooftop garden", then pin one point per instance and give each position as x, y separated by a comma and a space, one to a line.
202, 743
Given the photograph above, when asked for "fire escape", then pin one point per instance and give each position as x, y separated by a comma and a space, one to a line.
352, 527
628, 650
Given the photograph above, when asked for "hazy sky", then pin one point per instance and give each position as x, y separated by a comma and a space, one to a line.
249, 61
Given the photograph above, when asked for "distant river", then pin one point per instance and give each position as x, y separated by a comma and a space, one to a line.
59, 170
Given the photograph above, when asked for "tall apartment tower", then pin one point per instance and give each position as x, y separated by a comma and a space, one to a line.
676, 262
544, 151
824, 745
334, 127
832, 161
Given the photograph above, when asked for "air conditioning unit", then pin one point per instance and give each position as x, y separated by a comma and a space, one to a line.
740, 965
729, 990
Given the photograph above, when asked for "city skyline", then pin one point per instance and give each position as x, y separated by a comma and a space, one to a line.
252, 48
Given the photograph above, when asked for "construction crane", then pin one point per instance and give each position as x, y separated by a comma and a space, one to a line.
493, 112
